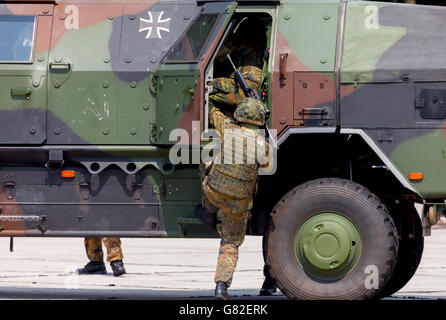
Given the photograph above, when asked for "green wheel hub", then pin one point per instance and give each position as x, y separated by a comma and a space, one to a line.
327, 246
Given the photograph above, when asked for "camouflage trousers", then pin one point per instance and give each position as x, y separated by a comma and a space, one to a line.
232, 236
93, 247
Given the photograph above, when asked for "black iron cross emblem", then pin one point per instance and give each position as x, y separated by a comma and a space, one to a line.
154, 25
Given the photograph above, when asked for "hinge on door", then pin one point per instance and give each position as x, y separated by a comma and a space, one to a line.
153, 83
155, 131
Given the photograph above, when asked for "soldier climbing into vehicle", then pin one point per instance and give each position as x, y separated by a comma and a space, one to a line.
230, 187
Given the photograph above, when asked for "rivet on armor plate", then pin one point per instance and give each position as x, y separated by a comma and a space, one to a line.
56, 131
62, 17
327, 17
32, 130
106, 84
133, 84
105, 131
282, 120
133, 131
323, 60
132, 17
36, 84
106, 59
145, 106
40, 58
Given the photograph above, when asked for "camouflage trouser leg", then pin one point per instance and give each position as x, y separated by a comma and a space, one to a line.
232, 236
93, 247
114, 251
208, 205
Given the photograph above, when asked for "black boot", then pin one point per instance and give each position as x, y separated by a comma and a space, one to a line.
207, 218
221, 291
269, 288
117, 267
93, 268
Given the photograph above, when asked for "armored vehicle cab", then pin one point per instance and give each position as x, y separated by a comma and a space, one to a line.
91, 94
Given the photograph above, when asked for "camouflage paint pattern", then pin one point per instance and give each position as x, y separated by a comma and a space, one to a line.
93, 248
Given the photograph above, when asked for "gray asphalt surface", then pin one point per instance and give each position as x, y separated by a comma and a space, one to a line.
42, 268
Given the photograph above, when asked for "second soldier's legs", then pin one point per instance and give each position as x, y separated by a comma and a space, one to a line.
93, 248
114, 255
114, 251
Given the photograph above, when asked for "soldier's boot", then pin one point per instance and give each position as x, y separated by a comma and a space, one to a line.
93, 268
209, 219
117, 267
221, 291
269, 288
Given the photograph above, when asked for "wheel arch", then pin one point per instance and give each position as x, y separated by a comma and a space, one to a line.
323, 152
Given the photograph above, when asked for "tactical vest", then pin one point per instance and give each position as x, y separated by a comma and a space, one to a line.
238, 178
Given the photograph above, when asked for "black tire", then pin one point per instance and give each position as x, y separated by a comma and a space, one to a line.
350, 200
410, 251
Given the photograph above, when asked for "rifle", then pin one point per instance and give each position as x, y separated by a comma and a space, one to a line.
252, 93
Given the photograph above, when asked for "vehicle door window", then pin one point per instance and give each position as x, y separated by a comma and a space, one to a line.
193, 41
17, 38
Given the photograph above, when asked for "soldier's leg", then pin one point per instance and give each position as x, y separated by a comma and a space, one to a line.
114, 251
207, 213
93, 248
114, 255
232, 236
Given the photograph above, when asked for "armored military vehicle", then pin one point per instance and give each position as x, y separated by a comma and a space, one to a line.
90, 93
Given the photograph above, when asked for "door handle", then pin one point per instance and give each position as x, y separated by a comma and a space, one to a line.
282, 67
23, 92
60, 65
313, 111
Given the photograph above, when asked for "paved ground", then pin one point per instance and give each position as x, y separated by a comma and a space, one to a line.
165, 269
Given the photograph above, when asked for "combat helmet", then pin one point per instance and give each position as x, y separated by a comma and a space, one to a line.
250, 110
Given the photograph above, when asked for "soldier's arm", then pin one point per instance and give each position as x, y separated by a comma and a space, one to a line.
217, 119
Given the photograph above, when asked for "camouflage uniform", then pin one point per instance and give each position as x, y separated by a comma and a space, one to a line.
93, 247
230, 187
249, 58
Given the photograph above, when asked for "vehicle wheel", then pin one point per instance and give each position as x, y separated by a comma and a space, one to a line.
331, 239
410, 251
